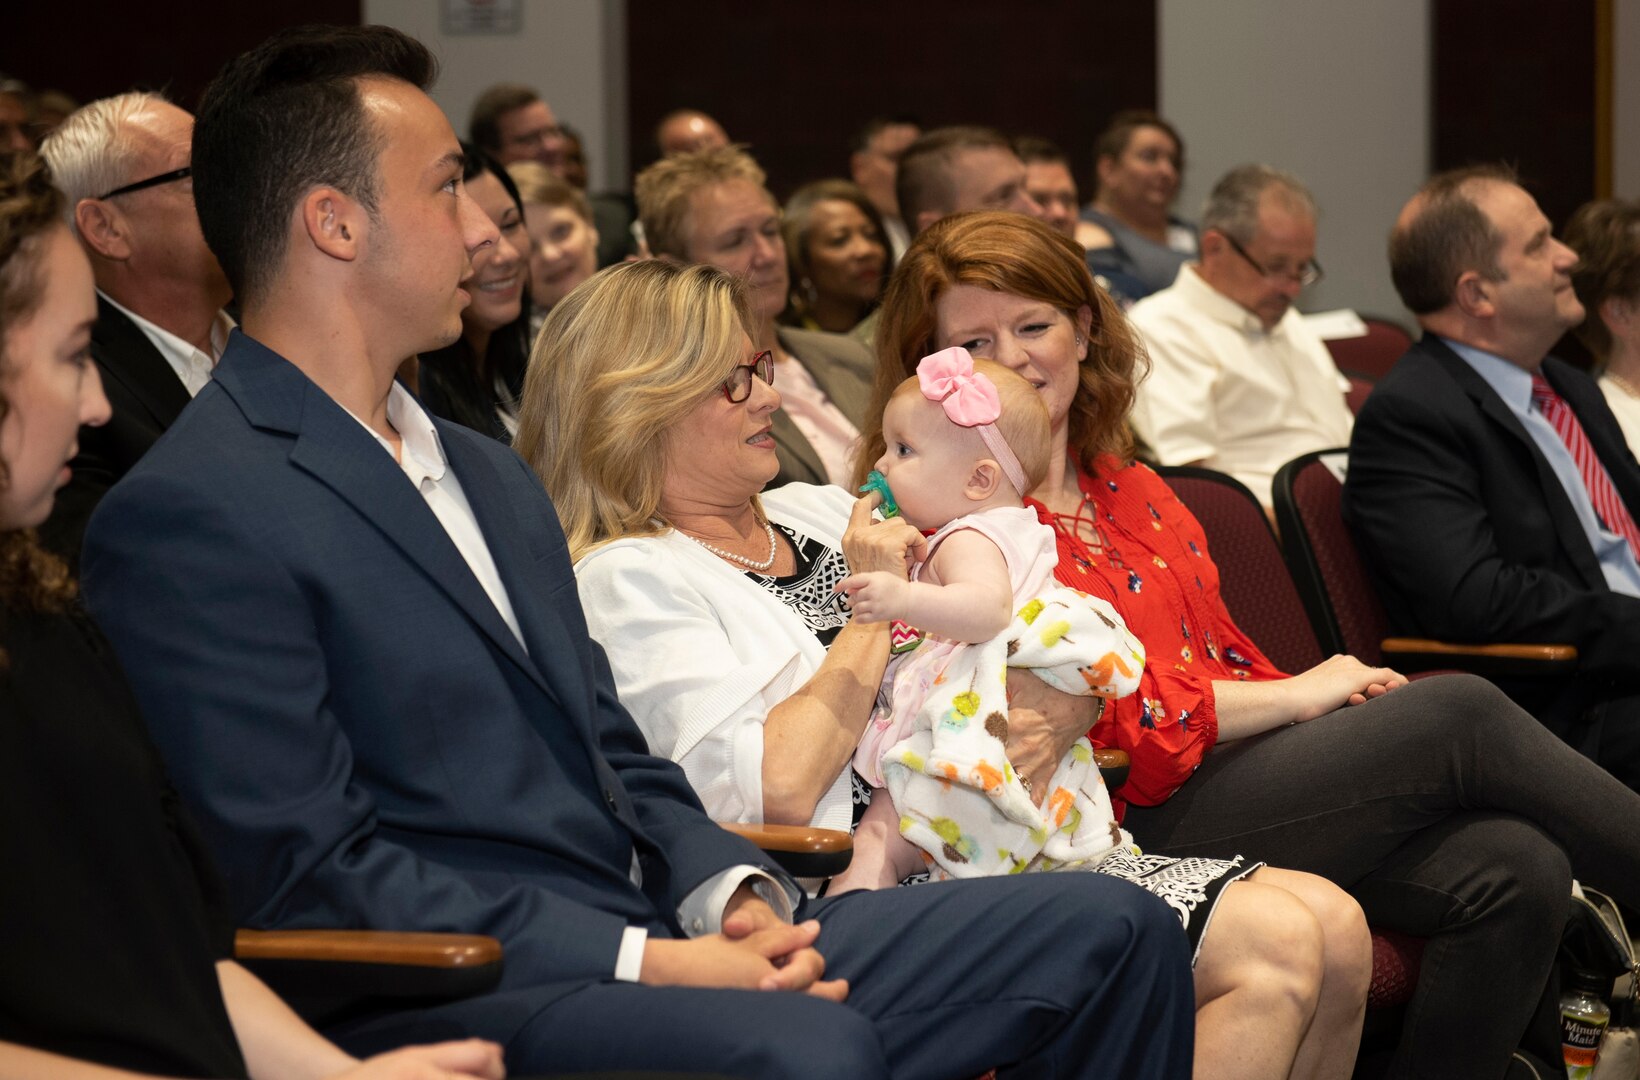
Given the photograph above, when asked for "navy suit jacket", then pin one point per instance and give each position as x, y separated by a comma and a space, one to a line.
361, 736
1466, 528
144, 396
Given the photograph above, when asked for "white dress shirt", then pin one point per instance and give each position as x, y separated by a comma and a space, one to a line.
193, 367
423, 461
1224, 391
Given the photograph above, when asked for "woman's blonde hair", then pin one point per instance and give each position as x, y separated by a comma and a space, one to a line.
663, 192
618, 361
1009, 253
540, 186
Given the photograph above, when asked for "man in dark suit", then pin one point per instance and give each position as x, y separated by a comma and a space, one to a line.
1489, 486
123, 162
355, 633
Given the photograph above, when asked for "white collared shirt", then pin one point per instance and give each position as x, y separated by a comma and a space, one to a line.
1224, 391
193, 367
423, 461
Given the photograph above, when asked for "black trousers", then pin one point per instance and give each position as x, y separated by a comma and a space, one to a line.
1448, 813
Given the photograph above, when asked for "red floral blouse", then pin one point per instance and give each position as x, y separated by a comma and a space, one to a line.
1150, 562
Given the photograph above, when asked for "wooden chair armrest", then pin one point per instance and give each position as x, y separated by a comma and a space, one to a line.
1113, 766
368, 947
1503, 660
328, 974
802, 850
807, 838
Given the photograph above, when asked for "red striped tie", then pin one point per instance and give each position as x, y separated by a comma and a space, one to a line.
1607, 505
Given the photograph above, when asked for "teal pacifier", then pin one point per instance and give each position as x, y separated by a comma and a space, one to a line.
876, 481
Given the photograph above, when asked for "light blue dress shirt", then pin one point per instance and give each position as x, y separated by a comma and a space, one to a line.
1514, 385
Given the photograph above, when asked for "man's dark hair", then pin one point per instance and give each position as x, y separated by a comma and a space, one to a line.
484, 125
923, 180
1448, 235
282, 119
1033, 149
877, 125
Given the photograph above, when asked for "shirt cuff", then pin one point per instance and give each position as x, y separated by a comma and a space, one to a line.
701, 912
629, 958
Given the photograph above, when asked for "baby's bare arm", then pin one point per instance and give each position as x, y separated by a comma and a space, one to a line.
966, 594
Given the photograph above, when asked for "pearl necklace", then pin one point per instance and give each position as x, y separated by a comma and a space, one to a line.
750, 564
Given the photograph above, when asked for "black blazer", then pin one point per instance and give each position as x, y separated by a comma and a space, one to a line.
1465, 527
145, 397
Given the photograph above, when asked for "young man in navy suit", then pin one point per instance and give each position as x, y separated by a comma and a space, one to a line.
355, 633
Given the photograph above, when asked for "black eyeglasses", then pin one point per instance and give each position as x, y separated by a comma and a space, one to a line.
1306, 275
738, 386
153, 181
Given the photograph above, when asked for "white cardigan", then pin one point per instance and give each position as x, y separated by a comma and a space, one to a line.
701, 653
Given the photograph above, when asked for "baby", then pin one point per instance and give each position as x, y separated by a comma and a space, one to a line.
966, 439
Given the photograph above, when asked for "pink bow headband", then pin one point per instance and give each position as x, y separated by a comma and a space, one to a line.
970, 400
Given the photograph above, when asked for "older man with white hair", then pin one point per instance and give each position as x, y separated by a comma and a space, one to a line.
123, 163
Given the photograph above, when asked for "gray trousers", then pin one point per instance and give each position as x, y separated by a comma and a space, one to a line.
1448, 813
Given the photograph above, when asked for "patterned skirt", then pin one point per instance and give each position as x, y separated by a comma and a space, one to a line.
1191, 887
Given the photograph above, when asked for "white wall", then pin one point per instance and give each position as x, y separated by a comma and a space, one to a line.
572, 51
1626, 100
1336, 91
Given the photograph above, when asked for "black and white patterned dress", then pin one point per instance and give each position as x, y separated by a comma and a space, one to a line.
1190, 886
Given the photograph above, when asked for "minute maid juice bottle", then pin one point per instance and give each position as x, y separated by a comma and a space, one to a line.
1583, 1019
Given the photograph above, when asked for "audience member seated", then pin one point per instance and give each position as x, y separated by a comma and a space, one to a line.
376, 690
117, 941
476, 380
873, 166
511, 123
1490, 489
767, 684
1441, 788
1138, 163
123, 164
949, 171
952, 169
1606, 237
1238, 382
836, 257
575, 158
563, 243
16, 126
687, 131
1048, 180
711, 207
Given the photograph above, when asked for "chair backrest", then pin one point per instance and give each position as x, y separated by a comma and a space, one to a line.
1253, 578
1341, 600
1360, 387
1373, 354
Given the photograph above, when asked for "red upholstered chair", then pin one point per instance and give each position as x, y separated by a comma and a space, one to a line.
1259, 591
1373, 355
1253, 576
1360, 387
1344, 605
